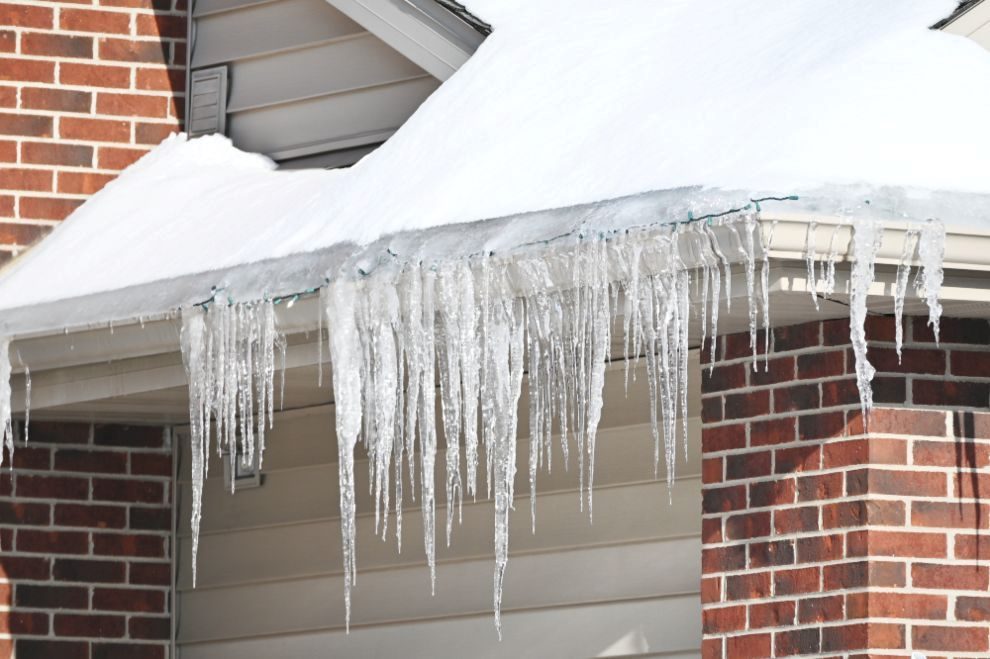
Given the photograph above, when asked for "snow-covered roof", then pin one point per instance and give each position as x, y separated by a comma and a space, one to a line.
568, 103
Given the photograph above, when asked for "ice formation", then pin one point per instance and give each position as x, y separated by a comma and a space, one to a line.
6, 426
403, 332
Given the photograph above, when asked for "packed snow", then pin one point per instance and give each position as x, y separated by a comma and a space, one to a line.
594, 165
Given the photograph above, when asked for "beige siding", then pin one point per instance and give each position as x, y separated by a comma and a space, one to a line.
270, 579
974, 24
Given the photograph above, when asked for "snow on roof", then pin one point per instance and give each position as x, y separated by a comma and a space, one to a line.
568, 102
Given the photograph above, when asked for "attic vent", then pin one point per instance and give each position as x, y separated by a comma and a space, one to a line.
208, 101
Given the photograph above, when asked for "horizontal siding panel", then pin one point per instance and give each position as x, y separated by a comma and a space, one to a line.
624, 455
971, 22
982, 36
204, 7
290, 75
463, 588
668, 627
339, 121
622, 514
266, 28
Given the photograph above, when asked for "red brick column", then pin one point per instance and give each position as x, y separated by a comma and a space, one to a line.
85, 88
85, 519
822, 538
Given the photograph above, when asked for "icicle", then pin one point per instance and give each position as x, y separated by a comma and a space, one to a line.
828, 266
867, 236
765, 293
749, 226
27, 402
809, 257
931, 250
6, 425
901, 284
345, 351
194, 359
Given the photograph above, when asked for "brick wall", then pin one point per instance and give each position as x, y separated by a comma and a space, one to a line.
84, 544
822, 538
85, 88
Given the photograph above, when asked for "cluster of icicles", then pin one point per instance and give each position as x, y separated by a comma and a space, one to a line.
478, 325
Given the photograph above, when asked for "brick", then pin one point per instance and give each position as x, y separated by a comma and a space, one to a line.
151, 5
723, 438
771, 614
98, 517
151, 519
748, 646
127, 651
819, 487
723, 378
723, 499
962, 454
16, 15
52, 487
973, 609
38, 180
821, 364
26, 70
112, 462
796, 582
771, 554
864, 451
949, 393
159, 79
970, 485
896, 605
168, 27
52, 542
130, 544
952, 330
118, 158
712, 470
25, 125
49, 153
969, 363
87, 571
748, 525
711, 590
84, 183
896, 543
863, 513
795, 520
861, 574
56, 100
54, 432
145, 133
150, 574
93, 75
898, 483
107, 489
152, 629
8, 97
8, 41
797, 642
51, 597
723, 619
956, 577
747, 405
889, 390
819, 548
774, 492
131, 600
748, 465
860, 636
907, 422
128, 50
96, 626
821, 426
96, 130
773, 431
132, 105
820, 609
774, 371
957, 514
972, 547
711, 409
40, 208
27, 567
797, 460
949, 638
8, 152
22, 623
932, 362
796, 337
839, 392
56, 45
30, 457
43, 649
89, 20
798, 398
723, 559
29, 514
128, 436
737, 346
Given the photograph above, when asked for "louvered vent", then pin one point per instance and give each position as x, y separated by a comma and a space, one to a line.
208, 103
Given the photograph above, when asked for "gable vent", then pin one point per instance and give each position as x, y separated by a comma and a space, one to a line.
208, 101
